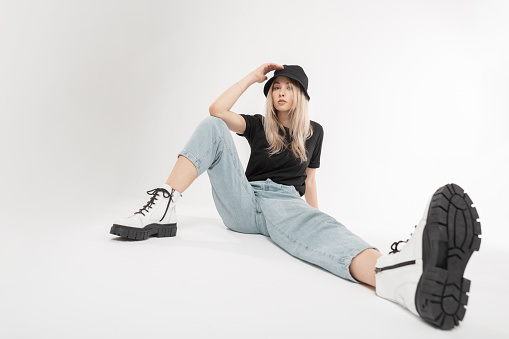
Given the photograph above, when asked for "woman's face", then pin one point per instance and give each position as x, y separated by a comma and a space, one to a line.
282, 94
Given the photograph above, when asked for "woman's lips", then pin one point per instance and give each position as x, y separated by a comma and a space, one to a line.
282, 102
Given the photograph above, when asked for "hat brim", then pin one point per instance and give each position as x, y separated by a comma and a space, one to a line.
269, 82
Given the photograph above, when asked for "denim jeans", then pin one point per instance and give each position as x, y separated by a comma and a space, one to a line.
268, 208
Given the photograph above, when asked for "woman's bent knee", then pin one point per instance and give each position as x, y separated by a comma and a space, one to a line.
214, 122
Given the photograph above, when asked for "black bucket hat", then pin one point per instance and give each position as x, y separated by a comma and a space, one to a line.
294, 72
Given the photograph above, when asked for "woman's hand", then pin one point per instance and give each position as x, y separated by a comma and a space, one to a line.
259, 74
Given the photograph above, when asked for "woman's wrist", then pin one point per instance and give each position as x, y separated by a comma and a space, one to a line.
245, 82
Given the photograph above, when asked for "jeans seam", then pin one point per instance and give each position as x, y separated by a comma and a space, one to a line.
323, 254
237, 168
253, 199
197, 162
306, 247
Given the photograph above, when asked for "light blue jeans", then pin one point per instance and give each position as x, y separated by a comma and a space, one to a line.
268, 208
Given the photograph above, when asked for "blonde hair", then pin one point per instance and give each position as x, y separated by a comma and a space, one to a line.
300, 126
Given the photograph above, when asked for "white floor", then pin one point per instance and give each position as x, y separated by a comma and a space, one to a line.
207, 282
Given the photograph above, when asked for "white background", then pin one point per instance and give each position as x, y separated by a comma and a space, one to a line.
98, 97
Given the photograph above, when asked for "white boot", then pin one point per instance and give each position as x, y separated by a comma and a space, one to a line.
157, 217
426, 276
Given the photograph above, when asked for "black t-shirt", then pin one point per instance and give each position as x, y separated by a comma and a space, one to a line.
283, 168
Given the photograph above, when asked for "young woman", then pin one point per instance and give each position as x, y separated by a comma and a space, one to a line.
426, 276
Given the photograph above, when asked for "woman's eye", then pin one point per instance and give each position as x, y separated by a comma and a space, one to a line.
276, 87
290, 88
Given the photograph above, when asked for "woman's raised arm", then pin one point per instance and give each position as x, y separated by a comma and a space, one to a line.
221, 107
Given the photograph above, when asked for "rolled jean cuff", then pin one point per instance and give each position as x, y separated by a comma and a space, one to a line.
196, 162
348, 275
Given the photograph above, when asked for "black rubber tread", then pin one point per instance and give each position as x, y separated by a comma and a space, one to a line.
133, 233
450, 237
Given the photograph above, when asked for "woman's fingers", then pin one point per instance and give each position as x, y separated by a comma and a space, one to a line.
272, 67
261, 71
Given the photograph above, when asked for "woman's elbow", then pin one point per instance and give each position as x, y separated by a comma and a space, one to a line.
212, 109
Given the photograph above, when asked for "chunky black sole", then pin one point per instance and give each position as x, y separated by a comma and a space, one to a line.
450, 237
133, 233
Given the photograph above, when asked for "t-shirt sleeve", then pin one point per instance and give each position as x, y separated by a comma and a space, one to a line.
315, 158
249, 125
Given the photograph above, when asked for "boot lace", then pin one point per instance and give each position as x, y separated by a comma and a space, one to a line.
155, 193
394, 246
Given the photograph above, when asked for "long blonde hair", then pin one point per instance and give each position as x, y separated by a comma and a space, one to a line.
300, 126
